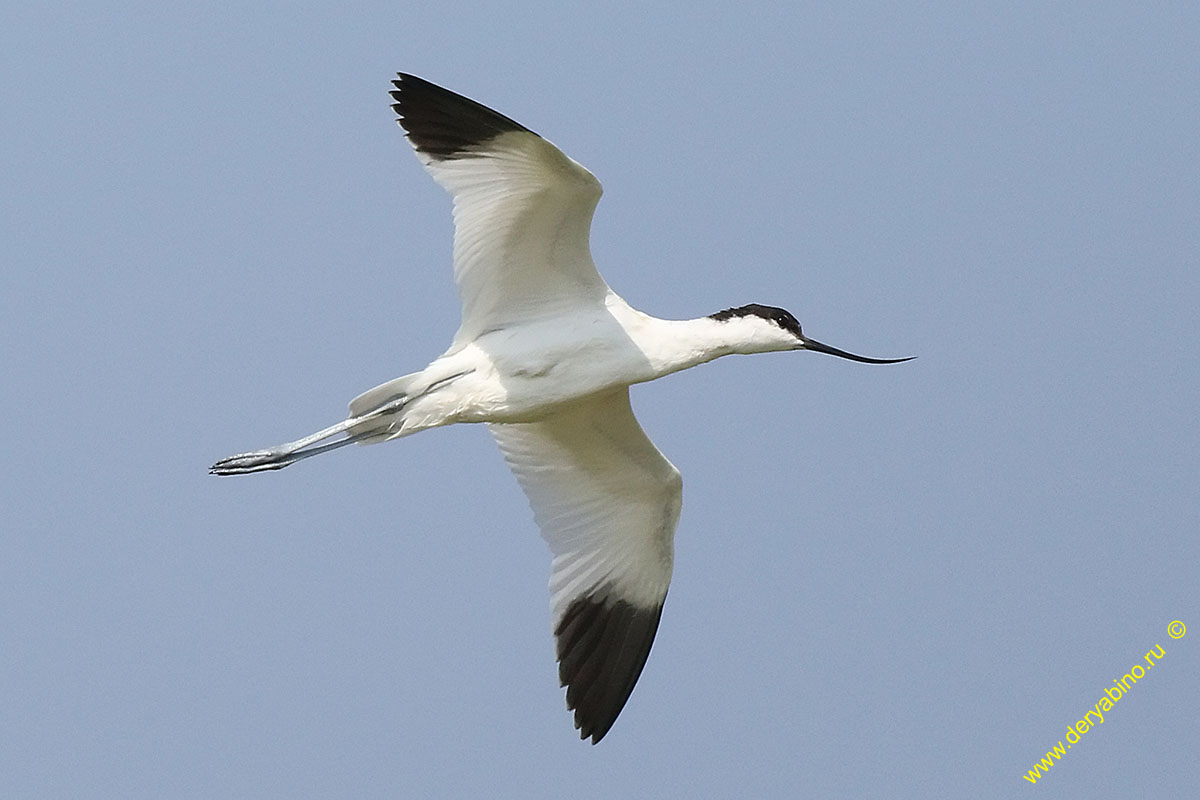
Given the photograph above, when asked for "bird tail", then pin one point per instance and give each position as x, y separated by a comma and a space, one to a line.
380, 427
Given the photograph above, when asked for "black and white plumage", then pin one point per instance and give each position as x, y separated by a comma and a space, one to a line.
545, 354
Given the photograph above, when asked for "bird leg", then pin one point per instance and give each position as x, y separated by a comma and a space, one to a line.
284, 455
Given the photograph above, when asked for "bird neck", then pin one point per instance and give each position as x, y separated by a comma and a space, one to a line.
671, 345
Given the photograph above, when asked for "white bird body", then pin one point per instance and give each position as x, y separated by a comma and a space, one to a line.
545, 354
524, 373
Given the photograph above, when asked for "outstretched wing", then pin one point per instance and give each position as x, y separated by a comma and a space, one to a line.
522, 209
607, 503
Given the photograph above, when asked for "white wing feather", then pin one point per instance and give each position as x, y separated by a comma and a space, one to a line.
522, 215
607, 503
522, 210
606, 500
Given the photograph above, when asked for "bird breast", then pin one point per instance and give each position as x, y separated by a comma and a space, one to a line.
525, 375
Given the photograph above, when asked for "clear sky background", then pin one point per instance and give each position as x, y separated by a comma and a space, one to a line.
890, 581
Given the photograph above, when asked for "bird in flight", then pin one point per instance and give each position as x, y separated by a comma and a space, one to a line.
545, 355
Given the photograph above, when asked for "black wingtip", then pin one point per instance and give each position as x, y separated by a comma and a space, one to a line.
603, 644
442, 124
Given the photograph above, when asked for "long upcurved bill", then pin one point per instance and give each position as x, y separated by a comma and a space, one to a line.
818, 347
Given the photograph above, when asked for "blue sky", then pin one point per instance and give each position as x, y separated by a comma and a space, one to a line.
890, 581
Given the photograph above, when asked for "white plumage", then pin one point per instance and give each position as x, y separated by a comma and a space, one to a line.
545, 354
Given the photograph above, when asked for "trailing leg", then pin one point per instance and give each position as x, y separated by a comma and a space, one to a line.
368, 424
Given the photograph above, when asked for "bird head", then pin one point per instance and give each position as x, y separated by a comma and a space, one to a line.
769, 329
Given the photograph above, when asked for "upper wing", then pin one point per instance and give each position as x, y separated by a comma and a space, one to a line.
522, 209
607, 502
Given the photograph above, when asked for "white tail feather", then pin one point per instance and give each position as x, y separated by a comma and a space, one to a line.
383, 427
